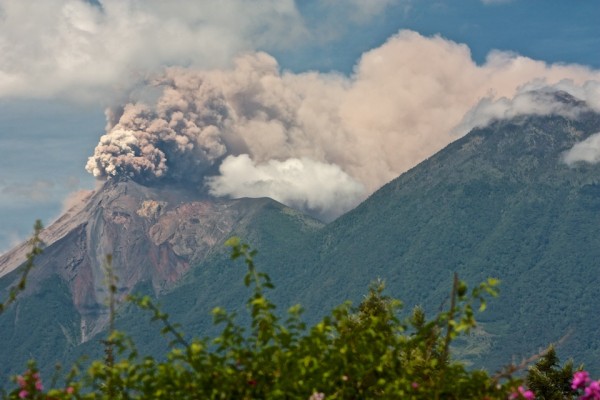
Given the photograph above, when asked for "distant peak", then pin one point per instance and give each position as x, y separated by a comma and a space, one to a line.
537, 102
550, 95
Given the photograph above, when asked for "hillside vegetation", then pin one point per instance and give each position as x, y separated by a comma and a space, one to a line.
368, 351
498, 202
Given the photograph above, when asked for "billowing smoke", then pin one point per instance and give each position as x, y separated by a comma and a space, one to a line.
301, 183
297, 136
183, 127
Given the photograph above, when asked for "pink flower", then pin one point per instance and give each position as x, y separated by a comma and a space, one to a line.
580, 380
528, 394
39, 386
414, 385
21, 381
23, 394
70, 390
592, 392
522, 393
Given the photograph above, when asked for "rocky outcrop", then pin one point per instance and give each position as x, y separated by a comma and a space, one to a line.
153, 234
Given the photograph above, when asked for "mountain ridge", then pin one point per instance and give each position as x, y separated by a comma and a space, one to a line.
498, 202
471, 217
154, 235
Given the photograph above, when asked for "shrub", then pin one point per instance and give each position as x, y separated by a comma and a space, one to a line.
361, 352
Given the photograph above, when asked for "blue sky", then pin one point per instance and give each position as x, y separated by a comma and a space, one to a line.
65, 61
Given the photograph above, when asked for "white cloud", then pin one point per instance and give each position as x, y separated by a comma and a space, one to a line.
401, 105
10, 239
76, 49
586, 151
96, 50
535, 98
322, 189
19, 194
38, 191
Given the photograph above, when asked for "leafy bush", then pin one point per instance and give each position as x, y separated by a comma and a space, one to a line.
359, 352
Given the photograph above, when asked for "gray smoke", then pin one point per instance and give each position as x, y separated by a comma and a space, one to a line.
183, 127
274, 133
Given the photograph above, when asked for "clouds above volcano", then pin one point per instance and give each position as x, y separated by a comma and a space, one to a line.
94, 50
76, 49
221, 100
405, 100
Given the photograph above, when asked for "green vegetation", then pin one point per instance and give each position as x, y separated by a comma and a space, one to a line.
35, 242
355, 352
549, 380
498, 202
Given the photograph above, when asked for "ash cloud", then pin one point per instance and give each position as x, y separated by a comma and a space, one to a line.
184, 127
406, 100
76, 200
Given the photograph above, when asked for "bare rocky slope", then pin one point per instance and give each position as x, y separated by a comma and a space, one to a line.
155, 235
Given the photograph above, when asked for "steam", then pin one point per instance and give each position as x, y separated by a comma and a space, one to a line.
301, 183
322, 142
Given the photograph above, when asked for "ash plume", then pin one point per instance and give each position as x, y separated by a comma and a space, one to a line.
180, 128
257, 125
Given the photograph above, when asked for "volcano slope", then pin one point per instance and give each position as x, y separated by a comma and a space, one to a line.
498, 202
155, 235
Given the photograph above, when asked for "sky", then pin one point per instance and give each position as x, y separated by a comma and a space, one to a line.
316, 103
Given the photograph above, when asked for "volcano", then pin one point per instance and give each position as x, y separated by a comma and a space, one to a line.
154, 236
500, 202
